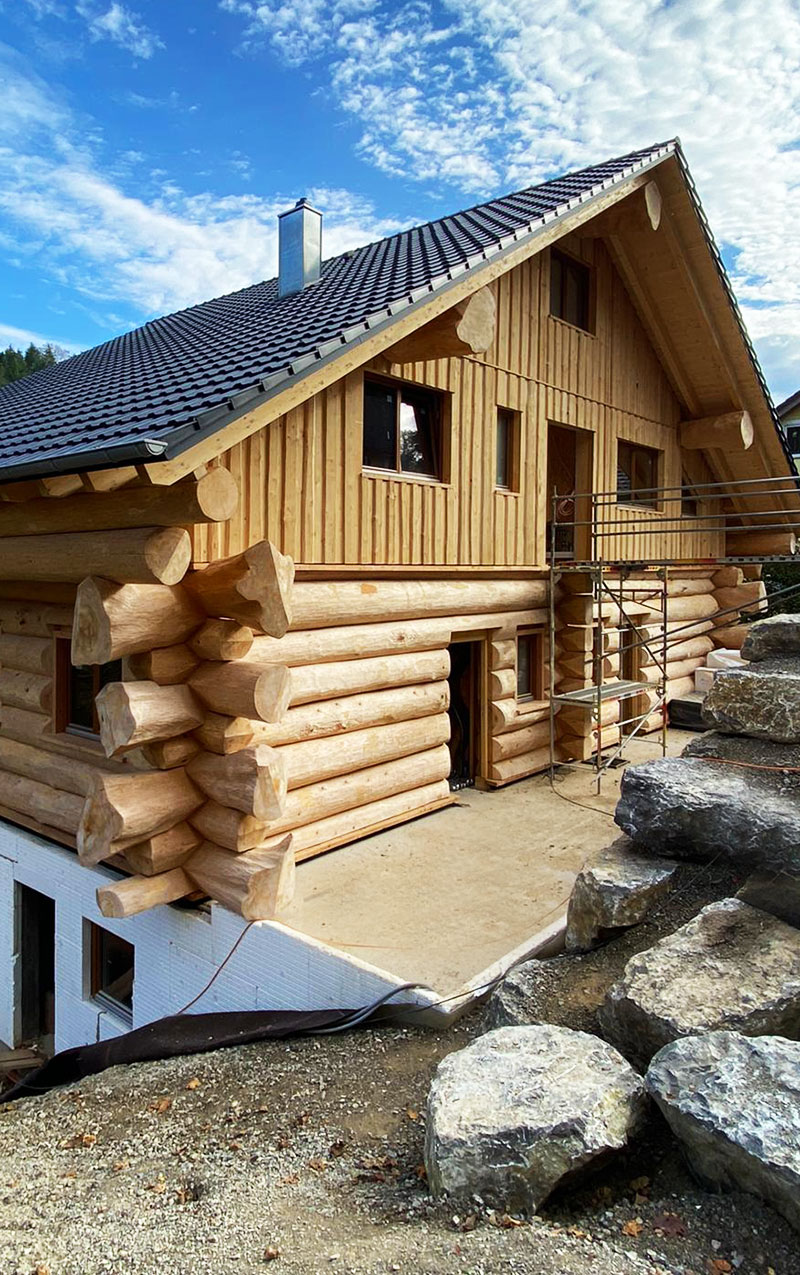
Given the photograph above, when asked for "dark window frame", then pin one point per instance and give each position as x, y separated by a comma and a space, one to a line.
509, 420
567, 273
630, 456
65, 684
100, 941
530, 674
438, 399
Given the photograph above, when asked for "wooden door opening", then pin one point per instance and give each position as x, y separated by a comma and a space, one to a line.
630, 670
465, 713
569, 478
36, 946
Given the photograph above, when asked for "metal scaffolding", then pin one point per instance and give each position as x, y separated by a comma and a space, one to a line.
621, 580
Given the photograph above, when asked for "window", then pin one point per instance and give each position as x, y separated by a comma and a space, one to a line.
111, 971
793, 438
637, 475
530, 666
507, 449
403, 428
570, 290
77, 686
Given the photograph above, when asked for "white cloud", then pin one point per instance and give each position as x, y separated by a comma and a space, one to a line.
122, 26
21, 338
158, 253
499, 94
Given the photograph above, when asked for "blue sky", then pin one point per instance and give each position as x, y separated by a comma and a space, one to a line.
146, 148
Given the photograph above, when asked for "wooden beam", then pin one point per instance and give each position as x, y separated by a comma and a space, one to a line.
321, 603
211, 499
732, 431
242, 689
228, 827
121, 810
166, 754
163, 851
41, 801
222, 734
144, 555
112, 620
760, 544
166, 665
137, 894
351, 642
252, 780
258, 885
351, 712
135, 713
467, 328
222, 640
254, 587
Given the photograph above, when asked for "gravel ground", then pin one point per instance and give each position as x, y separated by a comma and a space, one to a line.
306, 1156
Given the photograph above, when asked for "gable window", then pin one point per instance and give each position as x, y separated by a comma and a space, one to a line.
507, 449
637, 475
530, 666
793, 438
403, 428
570, 290
111, 968
77, 686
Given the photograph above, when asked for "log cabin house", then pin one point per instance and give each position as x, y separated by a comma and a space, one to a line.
275, 572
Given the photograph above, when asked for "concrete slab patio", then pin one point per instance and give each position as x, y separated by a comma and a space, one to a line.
442, 898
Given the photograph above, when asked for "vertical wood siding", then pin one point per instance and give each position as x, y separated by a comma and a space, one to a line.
302, 481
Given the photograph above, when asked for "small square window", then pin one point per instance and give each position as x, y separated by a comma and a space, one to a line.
570, 290
111, 971
637, 475
530, 666
507, 449
793, 438
403, 428
77, 687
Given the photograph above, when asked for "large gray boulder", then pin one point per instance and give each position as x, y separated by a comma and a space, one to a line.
763, 700
773, 892
734, 1104
617, 890
776, 635
772, 766
687, 808
521, 1108
730, 968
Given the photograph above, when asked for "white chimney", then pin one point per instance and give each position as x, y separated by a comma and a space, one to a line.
299, 248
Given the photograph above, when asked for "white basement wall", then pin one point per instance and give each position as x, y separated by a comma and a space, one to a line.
176, 953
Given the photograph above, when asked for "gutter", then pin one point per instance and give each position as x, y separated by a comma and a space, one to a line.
184, 436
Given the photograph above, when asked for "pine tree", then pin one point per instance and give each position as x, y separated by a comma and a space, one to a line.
14, 364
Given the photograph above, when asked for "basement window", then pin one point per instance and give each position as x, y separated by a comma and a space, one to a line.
637, 475
403, 428
507, 449
77, 687
570, 290
530, 666
111, 971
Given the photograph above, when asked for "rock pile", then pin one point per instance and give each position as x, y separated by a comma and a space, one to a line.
712, 1011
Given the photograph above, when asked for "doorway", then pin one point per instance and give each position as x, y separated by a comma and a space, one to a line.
36, 948
465, 713
630, 670
569, 478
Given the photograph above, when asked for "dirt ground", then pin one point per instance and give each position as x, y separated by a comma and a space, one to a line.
306, 1156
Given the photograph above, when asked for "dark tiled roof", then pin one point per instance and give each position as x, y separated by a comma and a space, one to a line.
158, 387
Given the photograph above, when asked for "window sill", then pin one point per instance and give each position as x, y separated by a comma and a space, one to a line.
425, 479
640, 509
506, 491
527, 705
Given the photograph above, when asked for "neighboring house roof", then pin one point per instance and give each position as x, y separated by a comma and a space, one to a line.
788, 405
152, 393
